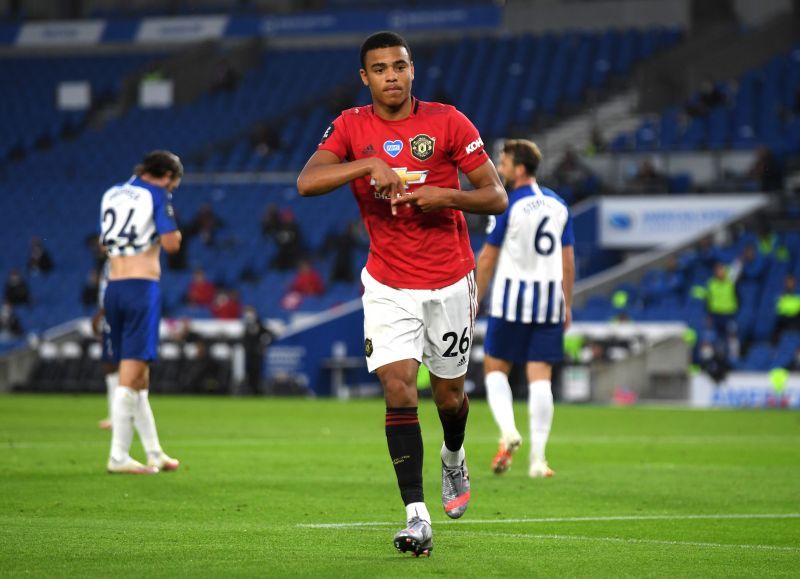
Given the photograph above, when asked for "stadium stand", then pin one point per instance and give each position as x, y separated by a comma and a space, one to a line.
510, 84
59, 206
667, 295
30, 119
759, 108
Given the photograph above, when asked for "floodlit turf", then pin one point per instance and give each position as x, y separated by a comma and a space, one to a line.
638, 492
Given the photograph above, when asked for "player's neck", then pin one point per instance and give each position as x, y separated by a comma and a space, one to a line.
393, 113
157, 181
526, 182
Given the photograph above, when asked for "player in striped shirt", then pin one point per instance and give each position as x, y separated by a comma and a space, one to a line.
137, 220
529, 256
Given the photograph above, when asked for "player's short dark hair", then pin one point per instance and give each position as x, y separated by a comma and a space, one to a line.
159, 163
384, 39
525, 153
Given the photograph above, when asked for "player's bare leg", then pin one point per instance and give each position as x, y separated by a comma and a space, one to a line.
453, 406
111, 376
399, 381
540, 410
404, 438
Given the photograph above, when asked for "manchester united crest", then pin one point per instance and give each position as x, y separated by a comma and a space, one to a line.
368, 347
422, 147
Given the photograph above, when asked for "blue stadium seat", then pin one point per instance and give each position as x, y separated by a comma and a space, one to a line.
786, 349
505, 83
758, 359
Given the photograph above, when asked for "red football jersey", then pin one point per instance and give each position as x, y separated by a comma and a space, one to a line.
412, 250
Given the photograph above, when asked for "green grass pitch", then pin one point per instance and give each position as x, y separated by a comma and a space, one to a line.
638, 492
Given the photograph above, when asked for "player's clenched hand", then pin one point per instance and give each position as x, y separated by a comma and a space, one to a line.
427, 198
385, 180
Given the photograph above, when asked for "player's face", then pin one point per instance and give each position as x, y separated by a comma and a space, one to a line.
507, 170
388, 72
173, 184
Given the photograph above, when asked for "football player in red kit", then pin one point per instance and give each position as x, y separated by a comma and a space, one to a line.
401, 157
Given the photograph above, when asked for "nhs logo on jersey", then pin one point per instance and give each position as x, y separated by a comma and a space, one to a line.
393, 148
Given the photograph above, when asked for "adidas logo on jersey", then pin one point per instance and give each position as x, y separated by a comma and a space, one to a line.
461, 362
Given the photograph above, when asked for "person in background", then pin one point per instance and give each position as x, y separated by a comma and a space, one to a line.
137, 220
308, 281
573, 176
752, 263
529, 256
226, 305
708, 97
39, 260
201, 290
10, 326
16, 291
289, 240
648, 179
722, 304
787, 309
767, 170
255, 340
270, 220
205, 225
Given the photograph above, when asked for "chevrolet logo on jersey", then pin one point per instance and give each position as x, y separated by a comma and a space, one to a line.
411, 177
406, 176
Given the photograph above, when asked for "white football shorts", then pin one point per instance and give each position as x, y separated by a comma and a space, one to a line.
431, 326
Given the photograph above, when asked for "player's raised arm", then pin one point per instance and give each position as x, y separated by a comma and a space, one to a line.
324, 172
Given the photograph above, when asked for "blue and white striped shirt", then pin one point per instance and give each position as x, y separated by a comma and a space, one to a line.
528, 279
133, 215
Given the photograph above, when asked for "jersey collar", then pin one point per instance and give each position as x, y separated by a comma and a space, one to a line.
413, 113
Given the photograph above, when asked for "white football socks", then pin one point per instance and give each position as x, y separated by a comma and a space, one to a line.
540, 411
112, 381
146, 424
501, 403
417, 510
452, 457
123, 408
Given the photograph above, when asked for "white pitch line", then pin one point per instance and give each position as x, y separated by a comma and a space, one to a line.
674, 439
746, 546
564, 520
205, 443
556, 440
